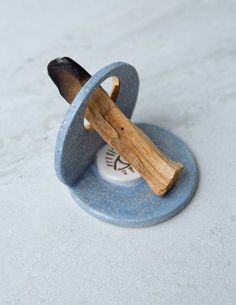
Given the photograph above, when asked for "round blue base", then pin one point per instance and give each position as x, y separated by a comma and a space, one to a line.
137, 205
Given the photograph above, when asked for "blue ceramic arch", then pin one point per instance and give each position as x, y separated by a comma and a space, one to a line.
76, 147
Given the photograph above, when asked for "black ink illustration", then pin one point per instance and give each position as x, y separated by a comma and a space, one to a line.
114, 160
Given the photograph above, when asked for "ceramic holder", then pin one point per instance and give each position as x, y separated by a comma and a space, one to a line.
134, 205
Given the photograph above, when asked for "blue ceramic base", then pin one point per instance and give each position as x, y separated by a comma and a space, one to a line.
138, 206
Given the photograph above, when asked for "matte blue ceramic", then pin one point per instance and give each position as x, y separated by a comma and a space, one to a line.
76, 147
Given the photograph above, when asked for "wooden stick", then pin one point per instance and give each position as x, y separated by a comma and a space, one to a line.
115, 128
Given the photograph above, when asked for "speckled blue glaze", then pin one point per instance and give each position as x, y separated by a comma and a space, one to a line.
76, 146
138, 206
129, 206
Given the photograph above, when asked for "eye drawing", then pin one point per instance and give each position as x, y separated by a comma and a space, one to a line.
114, 160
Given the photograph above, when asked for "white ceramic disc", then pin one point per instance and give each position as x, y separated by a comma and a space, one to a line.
113, 168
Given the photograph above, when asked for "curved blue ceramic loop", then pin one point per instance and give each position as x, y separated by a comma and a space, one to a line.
76, 146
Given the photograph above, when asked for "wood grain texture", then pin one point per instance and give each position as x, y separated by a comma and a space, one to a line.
115, 128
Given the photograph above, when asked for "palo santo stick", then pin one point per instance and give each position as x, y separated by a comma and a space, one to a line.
115, 128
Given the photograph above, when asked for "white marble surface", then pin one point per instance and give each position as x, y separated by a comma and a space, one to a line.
51, 252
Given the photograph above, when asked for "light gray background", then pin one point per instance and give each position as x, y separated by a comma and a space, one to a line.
51, 252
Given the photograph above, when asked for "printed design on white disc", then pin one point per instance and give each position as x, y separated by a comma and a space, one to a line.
117, 162
114, 168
